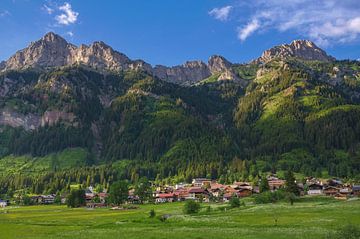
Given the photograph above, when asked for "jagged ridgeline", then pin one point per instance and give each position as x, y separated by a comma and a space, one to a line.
65, 107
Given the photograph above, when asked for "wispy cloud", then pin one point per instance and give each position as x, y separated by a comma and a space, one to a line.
47, 9
5, 13
249, 29
324, 21
70, 33
221, 14
68, 15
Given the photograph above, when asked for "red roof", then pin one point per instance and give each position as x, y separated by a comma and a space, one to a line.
166, 195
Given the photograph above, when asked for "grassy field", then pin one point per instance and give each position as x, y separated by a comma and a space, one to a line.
306, 219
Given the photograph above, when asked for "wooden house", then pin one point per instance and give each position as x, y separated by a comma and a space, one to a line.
331, 190
315, 189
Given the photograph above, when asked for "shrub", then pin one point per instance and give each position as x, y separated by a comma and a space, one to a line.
152, 213
164, 217
234, 202
208, 209
270, 197
191, 207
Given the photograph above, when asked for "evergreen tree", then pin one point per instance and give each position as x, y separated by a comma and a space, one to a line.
290, 184
264, 185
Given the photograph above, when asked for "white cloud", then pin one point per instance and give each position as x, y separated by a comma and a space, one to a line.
323, 21
249, 29
71, 34
4, 13
47, 9
68, 16
221, 14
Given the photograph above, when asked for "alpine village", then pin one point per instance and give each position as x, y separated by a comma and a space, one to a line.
86, 130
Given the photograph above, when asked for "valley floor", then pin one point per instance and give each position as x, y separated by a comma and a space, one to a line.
310, 218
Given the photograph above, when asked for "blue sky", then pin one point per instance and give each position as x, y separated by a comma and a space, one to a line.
170, 32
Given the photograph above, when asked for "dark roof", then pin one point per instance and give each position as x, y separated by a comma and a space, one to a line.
196, 190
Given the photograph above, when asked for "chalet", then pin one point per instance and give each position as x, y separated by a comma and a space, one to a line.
201, 182
3, 203
244, 192
276, 184
334, 183
37, 199
356, 190
330, 190
216, 189
165, 197
230, 189
102, 197
181, 194
48, 199
198, 194
180, 185
228, 196
132, 198
89, 193
343, 193
242, 184
340, 196
43, 199
315, 189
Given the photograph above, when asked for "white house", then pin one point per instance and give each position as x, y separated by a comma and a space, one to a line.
315, 189
3, 203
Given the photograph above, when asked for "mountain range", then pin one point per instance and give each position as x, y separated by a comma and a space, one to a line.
295, 107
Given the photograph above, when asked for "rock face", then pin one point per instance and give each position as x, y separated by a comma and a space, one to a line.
54, 51
302, 49
218, 64
195, 71
186, 74
32, 121
14, 119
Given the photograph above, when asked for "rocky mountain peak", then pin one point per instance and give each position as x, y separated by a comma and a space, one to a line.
218, 64
302, 49
52, 37
54, 51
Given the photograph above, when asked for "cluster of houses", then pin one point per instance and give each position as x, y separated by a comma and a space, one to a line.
202, 189
332, 187
205, 190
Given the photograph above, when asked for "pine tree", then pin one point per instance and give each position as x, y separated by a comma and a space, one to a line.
290, 184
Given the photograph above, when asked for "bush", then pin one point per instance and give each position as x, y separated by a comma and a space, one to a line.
152, 213
234, 202
191, 207
270, 197
208, 209
164, 217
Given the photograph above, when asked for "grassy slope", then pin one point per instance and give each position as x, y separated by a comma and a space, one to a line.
308, 219
69, 158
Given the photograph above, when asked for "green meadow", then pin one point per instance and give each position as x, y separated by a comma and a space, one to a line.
310, 218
